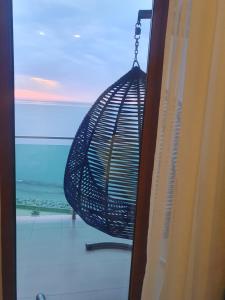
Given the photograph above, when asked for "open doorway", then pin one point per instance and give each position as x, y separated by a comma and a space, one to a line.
48, 220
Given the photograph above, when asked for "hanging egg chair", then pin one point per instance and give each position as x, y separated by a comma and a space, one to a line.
102, 169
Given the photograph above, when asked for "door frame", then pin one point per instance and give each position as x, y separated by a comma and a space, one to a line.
7, 150
7, 154
148, 146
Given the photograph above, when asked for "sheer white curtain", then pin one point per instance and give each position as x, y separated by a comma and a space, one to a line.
186, 256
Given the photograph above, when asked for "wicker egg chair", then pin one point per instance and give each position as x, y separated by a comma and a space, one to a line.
101, 173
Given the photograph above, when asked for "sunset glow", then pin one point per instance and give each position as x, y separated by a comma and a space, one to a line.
21, 94
34, 95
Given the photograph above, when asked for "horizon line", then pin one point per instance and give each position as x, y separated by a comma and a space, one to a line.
53, 102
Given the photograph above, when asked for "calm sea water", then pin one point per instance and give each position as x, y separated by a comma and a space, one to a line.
40, 163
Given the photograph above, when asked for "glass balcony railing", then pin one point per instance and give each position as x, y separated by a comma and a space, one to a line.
40, 164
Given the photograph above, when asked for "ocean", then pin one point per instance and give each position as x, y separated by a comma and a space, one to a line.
42, 151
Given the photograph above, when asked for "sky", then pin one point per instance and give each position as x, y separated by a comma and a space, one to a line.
72, 50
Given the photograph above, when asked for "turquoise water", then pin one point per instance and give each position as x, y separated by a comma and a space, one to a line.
39, 176
40, 163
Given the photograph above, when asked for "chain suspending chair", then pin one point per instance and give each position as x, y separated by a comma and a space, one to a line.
102, 169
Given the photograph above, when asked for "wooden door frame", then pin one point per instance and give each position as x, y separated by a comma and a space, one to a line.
149, 136
7, 149
7, 153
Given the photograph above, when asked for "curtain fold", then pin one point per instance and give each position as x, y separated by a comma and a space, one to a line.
186, 238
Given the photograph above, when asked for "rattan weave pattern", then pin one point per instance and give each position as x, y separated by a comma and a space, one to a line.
101, 174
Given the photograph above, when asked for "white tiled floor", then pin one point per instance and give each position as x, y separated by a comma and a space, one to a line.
51, 259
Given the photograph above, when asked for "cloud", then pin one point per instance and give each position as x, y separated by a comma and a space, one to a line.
46, 82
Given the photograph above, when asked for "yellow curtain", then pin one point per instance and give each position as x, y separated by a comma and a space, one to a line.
186, 242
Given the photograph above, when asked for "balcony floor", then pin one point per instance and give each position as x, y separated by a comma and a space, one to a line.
51, 259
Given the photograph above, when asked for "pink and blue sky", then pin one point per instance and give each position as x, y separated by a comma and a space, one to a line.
71, 50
